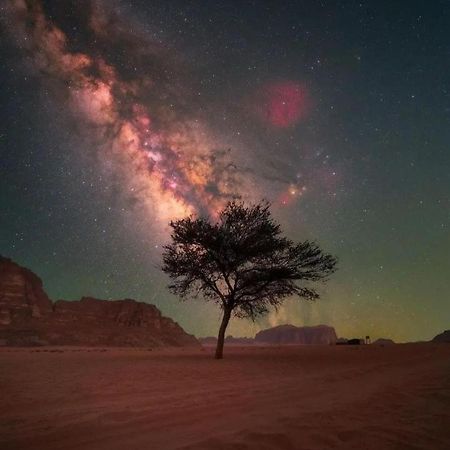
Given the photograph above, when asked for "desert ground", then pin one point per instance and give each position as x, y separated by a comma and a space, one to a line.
299, 397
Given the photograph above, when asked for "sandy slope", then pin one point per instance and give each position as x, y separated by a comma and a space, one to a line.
395, 397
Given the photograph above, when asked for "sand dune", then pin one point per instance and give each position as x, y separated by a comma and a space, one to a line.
310, 397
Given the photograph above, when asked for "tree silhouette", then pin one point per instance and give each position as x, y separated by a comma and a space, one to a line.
242, 262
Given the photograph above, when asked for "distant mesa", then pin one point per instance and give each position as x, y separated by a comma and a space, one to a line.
282, 335
290, 334
29, 317
443, 337
383, 341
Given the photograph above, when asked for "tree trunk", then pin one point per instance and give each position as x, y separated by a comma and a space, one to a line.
221, 337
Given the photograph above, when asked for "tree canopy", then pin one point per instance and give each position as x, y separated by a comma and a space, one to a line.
242, 262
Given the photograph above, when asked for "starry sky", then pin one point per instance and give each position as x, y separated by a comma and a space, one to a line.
116, 117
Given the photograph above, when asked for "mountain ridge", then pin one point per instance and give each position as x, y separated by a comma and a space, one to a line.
29, 317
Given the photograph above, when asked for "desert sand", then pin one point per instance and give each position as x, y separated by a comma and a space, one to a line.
293, 397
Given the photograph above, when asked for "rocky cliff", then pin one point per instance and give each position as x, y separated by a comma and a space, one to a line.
28, 317
22, 296
290, 334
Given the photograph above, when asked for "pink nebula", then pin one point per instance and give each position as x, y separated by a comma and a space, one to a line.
286, 103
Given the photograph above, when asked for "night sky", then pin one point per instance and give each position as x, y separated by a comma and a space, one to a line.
116, 117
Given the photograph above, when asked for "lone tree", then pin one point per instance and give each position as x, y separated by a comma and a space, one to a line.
242, 262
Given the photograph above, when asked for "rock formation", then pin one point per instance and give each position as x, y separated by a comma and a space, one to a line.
290, 334
282, 334
383, 341
355, 341
443, 337
28, 317
22, 296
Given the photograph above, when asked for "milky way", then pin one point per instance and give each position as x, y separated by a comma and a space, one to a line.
171, 164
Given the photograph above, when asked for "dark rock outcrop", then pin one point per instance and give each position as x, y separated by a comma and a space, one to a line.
383, 341
443, 337
28, 317
355, 341
290, 334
